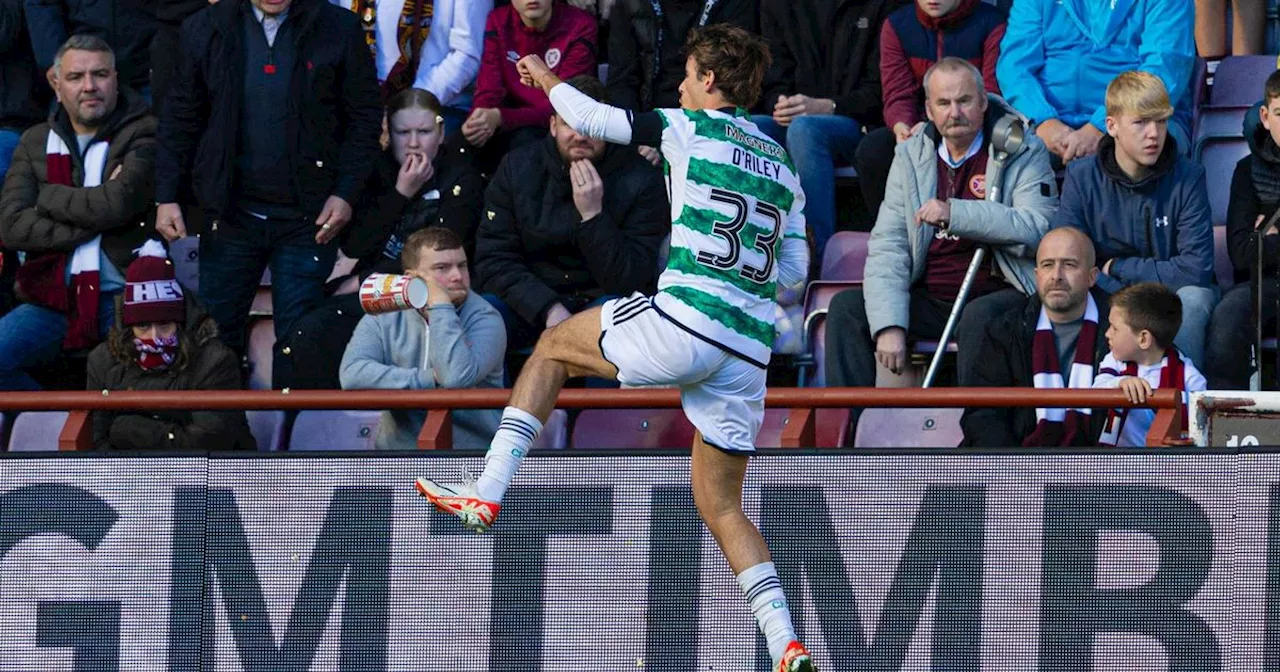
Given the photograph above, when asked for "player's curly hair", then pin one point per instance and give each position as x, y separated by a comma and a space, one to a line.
738, 58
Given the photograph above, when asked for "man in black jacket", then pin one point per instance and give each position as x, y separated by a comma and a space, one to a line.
549, 247
24, 95
274, 120
646, 46
646, 49
1066, 269
167, 43
823, 91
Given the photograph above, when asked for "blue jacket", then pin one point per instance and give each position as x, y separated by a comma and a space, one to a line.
1056, 64
1158, 229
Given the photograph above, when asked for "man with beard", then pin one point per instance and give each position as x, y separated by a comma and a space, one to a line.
567, 224
1055, 341
75, 200
934, 218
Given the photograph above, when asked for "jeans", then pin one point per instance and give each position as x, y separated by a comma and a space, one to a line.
232, 261
851, 348
1230, 337
873, 158
31, 336
1197, 308
817, 144
8, 143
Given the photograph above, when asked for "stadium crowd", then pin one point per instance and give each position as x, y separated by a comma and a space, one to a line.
291, 148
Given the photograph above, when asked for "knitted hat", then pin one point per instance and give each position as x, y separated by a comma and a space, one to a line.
151, 294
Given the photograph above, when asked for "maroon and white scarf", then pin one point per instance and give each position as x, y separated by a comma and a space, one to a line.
1172, 376
41, 276
1057, 426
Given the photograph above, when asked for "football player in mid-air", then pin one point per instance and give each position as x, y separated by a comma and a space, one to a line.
737, 232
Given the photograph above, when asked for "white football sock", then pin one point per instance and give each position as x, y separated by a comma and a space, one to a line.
515, 437
764, 593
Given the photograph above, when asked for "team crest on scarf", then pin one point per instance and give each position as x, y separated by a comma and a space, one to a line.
978, 186
552, 58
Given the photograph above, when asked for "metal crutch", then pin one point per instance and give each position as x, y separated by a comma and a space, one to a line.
1007, 138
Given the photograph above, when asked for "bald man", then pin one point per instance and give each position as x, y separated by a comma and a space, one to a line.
1072, 321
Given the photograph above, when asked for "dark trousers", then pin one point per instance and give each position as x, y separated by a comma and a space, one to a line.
317, 343
233, 258
851, 349
1230, 335
873, 159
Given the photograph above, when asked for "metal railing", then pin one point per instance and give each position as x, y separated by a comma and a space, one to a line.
1167, 429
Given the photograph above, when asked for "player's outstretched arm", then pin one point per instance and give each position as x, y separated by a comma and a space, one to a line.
586, 115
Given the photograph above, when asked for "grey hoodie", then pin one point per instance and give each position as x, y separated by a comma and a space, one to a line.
464, 347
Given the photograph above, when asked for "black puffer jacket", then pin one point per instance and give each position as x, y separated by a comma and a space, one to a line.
826, 49
384, 219
1006, 362
335, 111
209, 365
646, 52
533, 249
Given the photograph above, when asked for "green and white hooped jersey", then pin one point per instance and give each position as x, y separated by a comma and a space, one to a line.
735, 198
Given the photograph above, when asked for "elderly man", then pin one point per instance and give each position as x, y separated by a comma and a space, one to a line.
75, 201
1055, 340
933, 219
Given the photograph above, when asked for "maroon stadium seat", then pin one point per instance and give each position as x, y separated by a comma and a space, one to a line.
262, 339
267, 428
1238, 80
335, 430
185, 254
1219, 157
1221, 259
845, 256
909, 428
632, 428
813, 350
37, 430
555, 434
831, 427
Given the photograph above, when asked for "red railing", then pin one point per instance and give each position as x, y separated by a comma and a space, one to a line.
437, 431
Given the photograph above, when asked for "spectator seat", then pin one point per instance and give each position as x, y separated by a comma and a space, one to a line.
37, 430
185, 255
831, 427
845, 257
335, 430
267, 428
555, 434
909, 428
632, 428
262, 340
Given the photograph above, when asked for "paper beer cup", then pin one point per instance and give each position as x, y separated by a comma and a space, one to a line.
384, 293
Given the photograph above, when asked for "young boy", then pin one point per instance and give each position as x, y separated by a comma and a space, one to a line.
1144, 319
1254, 197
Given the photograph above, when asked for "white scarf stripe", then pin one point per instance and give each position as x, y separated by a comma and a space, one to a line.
1081, 375
87, 256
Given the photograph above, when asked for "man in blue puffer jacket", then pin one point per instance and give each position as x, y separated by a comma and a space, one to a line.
1058, 56
1145, 206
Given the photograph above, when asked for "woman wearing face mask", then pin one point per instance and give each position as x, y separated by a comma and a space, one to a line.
415, 184
163, 341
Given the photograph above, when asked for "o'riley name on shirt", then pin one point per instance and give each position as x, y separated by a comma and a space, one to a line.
748, 161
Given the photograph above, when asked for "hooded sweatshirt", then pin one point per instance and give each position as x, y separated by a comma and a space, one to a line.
1155, 229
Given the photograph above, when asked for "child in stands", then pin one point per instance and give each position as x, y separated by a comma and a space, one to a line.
1144, 319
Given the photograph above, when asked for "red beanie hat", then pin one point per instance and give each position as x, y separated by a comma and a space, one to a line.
151, 294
